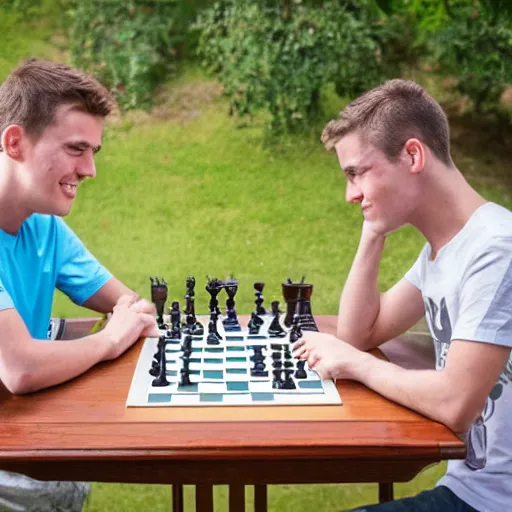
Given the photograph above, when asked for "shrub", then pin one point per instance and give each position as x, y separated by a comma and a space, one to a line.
277, 56
129, 46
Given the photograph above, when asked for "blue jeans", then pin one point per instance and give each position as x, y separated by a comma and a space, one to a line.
439, 499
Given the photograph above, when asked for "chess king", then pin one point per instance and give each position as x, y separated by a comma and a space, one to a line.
51, 123
393, 146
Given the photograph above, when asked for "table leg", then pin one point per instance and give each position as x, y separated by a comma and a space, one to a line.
204, 498
236, 498
385, 492
260, 498
177, 498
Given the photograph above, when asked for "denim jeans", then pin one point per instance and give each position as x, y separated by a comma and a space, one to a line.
439, 499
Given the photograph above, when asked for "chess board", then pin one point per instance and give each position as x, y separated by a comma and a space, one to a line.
220, 375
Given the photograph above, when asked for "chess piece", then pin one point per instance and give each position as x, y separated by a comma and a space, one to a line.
296, 330
255, 323
260, 310
213, 337
301, 372
275, 330
191, 325
213, 287
298, 300
161, 379
185, 376
288, 381
231, 322
186, 346
159, 292
175, 315
277, 383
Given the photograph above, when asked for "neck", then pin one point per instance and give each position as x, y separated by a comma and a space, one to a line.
446, 207
12, 209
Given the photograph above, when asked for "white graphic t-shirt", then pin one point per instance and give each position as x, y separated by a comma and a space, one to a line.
467, 291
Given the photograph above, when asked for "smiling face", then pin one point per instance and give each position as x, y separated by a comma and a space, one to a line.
60, 159
386, 190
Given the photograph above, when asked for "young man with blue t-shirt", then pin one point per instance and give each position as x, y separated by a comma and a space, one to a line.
393, 146
51, 122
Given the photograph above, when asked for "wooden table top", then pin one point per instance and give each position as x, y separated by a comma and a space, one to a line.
82, 429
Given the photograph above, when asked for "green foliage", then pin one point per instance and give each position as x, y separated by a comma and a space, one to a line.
277, 56
476, 49
129, 46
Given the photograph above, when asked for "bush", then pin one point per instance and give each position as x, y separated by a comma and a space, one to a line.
130, 46
476, 49
277, 56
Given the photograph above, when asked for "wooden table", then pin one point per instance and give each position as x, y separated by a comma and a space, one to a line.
82, 430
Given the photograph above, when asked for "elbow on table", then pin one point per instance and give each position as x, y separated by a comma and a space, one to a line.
17, 382
459, 417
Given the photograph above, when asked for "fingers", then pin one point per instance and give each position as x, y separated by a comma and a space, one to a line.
143, 306
150, 329
127, 300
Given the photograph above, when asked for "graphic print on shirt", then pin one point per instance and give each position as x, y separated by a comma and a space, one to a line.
438, 319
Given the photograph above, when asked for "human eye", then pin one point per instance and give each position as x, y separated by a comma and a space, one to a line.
75, 149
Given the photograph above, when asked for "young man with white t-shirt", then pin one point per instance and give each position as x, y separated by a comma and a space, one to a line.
393, 146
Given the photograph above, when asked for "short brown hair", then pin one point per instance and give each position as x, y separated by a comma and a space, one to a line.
389, 115
32, 92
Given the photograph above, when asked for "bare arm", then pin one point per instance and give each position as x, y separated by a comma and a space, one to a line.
454, 396
366, 318
27, 364
104, 300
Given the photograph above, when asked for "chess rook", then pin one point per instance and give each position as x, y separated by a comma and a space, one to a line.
298, 301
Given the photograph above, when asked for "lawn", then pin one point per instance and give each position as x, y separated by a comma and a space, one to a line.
187, 190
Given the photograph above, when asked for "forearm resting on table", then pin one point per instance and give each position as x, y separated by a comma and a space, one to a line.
46, 363
428, 392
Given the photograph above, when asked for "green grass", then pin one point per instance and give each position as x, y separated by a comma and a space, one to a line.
187, 190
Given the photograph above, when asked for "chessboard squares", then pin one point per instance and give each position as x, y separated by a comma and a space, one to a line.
159, 398
235, 349
212, 387
215, 375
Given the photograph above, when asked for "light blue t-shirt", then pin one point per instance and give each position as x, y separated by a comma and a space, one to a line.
45, 254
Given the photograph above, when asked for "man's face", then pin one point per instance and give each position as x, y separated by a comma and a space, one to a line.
60, 160
385, 190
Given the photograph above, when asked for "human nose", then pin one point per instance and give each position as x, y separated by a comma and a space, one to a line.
87, 166
353, 193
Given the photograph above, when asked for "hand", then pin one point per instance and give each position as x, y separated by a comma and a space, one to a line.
127, 324
369, 232
144, 306
329, 356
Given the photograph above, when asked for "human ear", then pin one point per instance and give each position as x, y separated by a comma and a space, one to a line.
415, 155
11, 141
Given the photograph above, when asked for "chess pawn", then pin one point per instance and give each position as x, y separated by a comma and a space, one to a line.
275, 330
254, 323
260, 310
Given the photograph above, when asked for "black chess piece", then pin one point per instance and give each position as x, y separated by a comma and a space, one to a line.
277, 382
161, 379
191, 325
296, 330
298, 300
275, 330
213, 287
260, 310
159, 293
288, 381
185, 377
186, 346
213, 337
301, 372
254, 323
175, 315
231, 323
